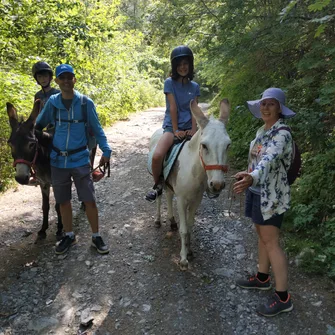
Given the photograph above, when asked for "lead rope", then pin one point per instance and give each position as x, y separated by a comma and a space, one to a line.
232, 198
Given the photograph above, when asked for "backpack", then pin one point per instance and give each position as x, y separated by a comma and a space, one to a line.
91, 140
294, 170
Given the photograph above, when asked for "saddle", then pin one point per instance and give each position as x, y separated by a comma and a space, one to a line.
170, 157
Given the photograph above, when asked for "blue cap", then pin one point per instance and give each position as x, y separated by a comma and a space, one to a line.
64, 68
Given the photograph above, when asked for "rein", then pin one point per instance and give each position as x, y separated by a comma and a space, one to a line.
102, 169
30, 164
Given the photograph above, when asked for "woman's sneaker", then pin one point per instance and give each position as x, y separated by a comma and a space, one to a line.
253, 282
153, 194
100, 245
64, 244
275, 306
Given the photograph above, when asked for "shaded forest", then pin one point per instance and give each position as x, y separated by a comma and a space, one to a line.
120, 51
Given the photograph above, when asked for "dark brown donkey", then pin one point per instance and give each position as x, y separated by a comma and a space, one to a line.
31, 158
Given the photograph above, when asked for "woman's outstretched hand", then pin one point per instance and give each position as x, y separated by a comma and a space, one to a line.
244, 180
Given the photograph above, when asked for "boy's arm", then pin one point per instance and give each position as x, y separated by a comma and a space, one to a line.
44, 117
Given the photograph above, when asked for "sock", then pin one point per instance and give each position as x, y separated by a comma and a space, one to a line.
96, 234
283, 295
262, 276
70, 234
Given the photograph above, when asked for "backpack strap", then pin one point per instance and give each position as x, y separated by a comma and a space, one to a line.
293, 145
83, 103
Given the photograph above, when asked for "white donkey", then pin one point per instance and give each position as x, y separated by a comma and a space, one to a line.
201, 165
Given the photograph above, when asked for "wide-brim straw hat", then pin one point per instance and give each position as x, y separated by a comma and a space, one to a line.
274, 93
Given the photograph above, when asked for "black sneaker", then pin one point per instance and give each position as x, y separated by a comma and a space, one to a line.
64, 244
254, 283
154, 193
275, 306
99, 244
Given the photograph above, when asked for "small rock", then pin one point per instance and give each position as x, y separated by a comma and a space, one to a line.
86, 318
317, 304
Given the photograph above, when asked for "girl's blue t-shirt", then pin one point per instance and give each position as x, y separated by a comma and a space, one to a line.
183, 94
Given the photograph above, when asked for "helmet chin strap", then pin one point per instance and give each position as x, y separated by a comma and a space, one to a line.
46, 86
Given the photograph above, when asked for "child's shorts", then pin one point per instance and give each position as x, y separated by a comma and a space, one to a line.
253, 211
62, 183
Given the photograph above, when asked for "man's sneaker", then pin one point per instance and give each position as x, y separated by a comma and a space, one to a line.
99, 244
275, 306
97, 175
254, 283
153, 194
64, 244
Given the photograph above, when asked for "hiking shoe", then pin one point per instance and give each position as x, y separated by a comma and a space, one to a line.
154, 193
253, 282
97, 175
64, 244
275, 306
99, 244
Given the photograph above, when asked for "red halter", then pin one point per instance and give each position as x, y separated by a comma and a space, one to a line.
223, 168
30, 164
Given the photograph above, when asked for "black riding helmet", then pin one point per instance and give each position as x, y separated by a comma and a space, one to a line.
176, 56
181, 51
41, 66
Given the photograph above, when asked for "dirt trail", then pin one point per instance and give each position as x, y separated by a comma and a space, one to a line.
138, 288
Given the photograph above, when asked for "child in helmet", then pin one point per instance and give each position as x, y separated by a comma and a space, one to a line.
43, 74
179, 90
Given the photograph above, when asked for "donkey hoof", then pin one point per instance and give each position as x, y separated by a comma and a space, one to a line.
183, 265
59, 235
190, 255
158, 224
41, 235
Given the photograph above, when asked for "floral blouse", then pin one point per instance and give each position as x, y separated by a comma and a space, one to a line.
270, 156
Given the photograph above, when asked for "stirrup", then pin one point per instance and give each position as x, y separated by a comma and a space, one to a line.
154, 193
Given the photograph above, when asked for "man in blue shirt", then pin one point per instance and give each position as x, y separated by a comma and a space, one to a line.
69, 157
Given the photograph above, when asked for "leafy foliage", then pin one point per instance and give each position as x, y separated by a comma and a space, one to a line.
120, 51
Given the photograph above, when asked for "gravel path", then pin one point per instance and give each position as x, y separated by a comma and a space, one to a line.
138, 288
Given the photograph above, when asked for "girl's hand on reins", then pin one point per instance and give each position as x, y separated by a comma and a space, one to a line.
190, 132
180, 134
244, 180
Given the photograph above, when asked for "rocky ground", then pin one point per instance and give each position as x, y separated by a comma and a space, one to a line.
138, 288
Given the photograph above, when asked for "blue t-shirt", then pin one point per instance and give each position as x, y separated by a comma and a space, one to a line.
183, 94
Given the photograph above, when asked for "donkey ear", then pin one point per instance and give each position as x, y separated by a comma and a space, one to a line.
12, 114
200, 117
36, 110
224, 110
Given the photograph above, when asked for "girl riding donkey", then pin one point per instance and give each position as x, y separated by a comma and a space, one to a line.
179, 90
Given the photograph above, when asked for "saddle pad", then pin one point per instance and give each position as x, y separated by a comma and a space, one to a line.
169, 160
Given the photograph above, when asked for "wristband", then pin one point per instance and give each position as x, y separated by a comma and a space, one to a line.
177, 131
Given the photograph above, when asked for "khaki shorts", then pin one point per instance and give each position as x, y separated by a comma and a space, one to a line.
62, 183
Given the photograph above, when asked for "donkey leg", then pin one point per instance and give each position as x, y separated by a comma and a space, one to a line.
190, 221
182, 208
169, 197
59, 233
45, 189
158, 222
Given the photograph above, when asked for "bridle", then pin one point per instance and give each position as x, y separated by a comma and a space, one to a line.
223, 168
30, 164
